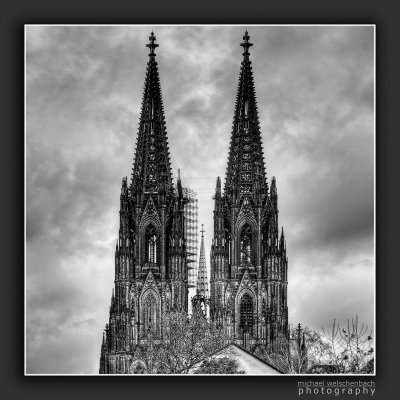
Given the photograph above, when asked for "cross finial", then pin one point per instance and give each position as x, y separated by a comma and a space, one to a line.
202, 230
246, 45
152, 45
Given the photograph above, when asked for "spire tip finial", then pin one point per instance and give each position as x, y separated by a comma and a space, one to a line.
152, 45
246, 45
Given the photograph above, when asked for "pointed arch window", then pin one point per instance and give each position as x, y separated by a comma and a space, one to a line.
246, 313
151, 244
219, 295
150, 312
246, 237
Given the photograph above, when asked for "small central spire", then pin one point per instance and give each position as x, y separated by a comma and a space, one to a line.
152, 45
202, 281
246, 45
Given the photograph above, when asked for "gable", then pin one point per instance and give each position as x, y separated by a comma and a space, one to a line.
150, 215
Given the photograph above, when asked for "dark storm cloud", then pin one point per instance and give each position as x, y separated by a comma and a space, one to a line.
319, 118
84, 90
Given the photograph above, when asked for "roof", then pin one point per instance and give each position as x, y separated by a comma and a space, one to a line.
247, 362
251, 364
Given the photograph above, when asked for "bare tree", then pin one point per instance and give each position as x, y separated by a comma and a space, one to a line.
350, 350
194, 345
184, 345
303, 348
340, 350
222, 365
147, 353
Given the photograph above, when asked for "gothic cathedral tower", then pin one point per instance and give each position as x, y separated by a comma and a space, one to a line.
150, 256
248, 259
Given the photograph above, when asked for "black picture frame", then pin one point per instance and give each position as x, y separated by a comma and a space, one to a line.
18, 13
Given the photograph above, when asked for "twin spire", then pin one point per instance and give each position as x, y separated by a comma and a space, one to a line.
246, 173
246, 169
152, 165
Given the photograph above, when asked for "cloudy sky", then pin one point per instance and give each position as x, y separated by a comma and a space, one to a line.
315, 91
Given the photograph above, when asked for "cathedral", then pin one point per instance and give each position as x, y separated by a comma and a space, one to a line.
248, 258
248, 285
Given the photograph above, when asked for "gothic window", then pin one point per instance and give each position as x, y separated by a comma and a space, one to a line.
245, 244
246, 156
246, 313
150, 312
219, 294
151, 244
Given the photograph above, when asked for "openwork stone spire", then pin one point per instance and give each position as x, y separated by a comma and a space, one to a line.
202, 281
248, 266
152, 166
246, 169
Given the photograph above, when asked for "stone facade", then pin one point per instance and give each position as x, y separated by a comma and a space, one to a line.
248, 286
151, 274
